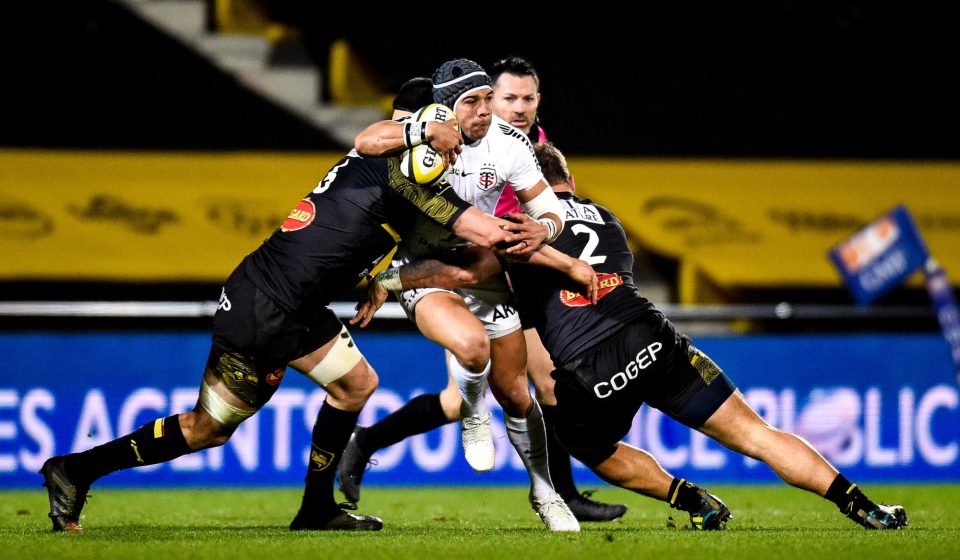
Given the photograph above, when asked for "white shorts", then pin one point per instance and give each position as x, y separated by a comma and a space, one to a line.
490, 301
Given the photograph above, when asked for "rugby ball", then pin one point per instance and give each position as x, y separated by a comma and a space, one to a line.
422, 164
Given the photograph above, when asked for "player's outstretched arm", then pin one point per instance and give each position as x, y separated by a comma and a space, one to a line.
578, 271
461, 267
488, 232
391, 137
464, 268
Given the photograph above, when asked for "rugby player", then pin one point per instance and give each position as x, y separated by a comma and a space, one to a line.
616, 354
273, 314
479, 325
516, 99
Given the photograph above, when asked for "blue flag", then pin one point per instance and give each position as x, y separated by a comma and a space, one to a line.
879, 257
941, 293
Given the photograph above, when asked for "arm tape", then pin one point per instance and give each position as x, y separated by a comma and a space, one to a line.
551, 229
389, 280
545, 203
414, 134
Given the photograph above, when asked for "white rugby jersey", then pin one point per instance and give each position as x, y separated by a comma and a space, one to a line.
504, 155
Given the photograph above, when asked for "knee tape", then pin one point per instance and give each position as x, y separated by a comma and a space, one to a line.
342, 357
223, 412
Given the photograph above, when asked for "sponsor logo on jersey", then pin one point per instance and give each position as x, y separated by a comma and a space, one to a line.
513, 132
503, 311
301, 216
608, 282
275, 377
618, 381
488, 176
578, 212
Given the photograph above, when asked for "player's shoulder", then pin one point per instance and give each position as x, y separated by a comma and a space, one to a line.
505, 134
587, 202
585, 210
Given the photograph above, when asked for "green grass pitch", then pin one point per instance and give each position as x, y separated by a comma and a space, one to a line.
478, 522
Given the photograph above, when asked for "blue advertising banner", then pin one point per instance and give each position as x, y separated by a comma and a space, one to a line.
879, 257
881, 407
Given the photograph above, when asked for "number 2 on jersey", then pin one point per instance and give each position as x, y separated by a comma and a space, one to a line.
592, 241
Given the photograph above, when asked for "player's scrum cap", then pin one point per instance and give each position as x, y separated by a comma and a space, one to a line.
455, 79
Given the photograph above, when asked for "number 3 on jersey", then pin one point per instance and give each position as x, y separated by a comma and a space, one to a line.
331, 176
592, 241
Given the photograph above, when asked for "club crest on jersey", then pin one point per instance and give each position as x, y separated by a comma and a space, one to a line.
488, 176
300, 217
607, 283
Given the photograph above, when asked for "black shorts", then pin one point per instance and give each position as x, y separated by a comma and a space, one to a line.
254, 339
601, 390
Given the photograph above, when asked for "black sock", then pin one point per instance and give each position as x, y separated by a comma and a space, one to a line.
848, 497
561, 472
330, 435
422, 414
683, 495
155, 442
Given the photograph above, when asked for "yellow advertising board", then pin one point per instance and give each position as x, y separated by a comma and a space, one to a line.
768, 223
123, 216
143, 216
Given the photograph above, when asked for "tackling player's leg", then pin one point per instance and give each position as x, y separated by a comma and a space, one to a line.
68, 477
636, 470
740, 428
349, 380
591, 429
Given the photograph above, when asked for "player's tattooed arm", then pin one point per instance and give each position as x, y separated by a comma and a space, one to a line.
464, 267
458, 268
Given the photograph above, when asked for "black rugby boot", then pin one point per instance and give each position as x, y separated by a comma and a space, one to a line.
353, 464
343, 521
586, 509
66, 497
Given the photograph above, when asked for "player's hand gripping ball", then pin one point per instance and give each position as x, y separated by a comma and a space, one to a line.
422, 164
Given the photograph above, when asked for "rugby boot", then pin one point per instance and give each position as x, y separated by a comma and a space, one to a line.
353, 463
66, 498
586, 509
343, 521
712, 514
555, 514
883, 517
477, 438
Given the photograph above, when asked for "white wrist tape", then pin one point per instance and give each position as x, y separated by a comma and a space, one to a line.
551, 229
414, 134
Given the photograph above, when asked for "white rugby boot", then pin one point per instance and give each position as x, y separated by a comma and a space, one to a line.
477, 438
555, 513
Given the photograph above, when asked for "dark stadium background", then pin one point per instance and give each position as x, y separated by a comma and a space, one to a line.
753, 79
